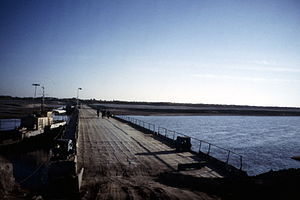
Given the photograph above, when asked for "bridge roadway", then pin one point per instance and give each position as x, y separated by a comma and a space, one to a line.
123, 163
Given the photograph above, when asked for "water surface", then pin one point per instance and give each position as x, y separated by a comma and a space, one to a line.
264, 142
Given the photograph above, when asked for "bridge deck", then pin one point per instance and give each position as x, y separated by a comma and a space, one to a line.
121, 162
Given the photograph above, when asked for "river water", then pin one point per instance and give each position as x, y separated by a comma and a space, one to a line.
11, 124
29, 165
266, 143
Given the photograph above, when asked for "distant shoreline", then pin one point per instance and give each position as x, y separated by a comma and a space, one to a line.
156, 110
11, 107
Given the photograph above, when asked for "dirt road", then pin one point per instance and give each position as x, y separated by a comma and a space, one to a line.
123, 163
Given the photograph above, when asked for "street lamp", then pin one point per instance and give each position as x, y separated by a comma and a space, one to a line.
78, 95
35, 86
43, 99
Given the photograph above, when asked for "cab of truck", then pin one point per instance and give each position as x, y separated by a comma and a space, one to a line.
63, 148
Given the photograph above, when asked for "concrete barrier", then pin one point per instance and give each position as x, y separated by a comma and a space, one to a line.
79, 179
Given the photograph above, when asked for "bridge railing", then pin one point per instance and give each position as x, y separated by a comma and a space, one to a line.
139, 122
199, 146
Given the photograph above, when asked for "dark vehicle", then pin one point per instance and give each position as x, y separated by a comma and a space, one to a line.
183, 144
63, 149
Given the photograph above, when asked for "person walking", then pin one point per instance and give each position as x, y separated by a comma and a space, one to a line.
98, 112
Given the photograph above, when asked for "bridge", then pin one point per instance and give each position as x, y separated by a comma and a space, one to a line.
121, 162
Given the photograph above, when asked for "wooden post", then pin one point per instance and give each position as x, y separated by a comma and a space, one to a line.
208, 149
241, 162
228, 157
200, 146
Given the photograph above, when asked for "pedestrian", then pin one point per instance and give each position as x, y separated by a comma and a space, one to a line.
98, 112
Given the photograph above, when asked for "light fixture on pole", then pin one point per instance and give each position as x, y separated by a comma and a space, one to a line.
43, 99
35, 86
78, 95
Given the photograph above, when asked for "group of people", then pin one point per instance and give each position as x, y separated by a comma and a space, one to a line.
104, 113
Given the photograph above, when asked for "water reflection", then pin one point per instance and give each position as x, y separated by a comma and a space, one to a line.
30, 165
265, 142
60, 118
9, 124
30, 168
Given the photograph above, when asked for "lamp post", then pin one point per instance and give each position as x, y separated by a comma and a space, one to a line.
78, 95
35, 86
43, 99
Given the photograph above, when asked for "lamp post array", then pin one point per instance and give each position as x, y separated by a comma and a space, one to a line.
35, 85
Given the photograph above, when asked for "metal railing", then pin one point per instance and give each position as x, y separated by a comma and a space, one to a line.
139, 122
199, 146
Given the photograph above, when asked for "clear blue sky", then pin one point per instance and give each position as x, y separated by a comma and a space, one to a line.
202, 51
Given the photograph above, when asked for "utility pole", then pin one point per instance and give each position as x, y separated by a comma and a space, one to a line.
78, 96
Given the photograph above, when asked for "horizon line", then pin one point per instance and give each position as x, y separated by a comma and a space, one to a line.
140, 101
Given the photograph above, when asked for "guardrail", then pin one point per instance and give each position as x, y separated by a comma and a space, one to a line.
139, 122
198, 146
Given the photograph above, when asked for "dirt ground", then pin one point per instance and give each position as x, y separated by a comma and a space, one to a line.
17, 108
136, 108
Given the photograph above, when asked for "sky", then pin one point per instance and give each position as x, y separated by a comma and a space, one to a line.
189, 51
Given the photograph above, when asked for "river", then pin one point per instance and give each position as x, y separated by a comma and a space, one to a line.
29, 165
266, 143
